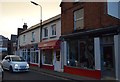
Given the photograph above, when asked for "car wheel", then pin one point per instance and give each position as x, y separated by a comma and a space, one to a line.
11, 69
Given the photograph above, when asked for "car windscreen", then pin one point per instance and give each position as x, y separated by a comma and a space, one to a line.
17, 59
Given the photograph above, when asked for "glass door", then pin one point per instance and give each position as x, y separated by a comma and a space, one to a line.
108, 58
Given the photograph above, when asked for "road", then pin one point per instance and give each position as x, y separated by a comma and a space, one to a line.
31, 75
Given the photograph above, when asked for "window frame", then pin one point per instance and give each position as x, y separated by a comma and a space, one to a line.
24, 38
33, 37
79, 59
78, 19
53, 30
45, 30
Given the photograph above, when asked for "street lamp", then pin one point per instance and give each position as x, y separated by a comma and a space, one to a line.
40, 29
40, 11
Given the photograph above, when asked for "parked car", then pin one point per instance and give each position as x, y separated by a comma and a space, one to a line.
1, 73
15, 63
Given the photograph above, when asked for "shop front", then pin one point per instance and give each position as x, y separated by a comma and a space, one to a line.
81, 58
30, 53
92, 53
51, 55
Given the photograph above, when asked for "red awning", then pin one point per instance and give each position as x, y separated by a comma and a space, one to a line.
54, 44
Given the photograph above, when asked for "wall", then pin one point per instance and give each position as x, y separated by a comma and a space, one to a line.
58, 30
28, 37
95, 16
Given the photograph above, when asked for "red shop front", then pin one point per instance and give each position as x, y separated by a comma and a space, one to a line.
49, 49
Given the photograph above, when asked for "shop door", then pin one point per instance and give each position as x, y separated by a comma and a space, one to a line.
108, 62
57, 66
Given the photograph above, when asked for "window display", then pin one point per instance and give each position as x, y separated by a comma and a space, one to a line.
81, 53
47, 57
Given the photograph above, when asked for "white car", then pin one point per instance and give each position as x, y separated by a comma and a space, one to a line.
14, 63
1, 74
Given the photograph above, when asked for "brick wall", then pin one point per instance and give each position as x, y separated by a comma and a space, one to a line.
95, 16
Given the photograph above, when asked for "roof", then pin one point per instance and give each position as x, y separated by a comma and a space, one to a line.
12, 56
13, 37
2, 37
43, 23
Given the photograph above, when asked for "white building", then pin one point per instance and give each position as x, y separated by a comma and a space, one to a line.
51, 45
29, 44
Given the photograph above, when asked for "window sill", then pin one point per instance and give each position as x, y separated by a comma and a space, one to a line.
53, 36
48, 64
32, 41
44, 38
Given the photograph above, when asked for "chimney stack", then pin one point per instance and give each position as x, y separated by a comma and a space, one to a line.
25, 26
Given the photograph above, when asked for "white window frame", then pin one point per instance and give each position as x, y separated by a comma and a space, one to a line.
33, 36
76, 0
24, 38
1, 43
53, 30
44, 36
78, 19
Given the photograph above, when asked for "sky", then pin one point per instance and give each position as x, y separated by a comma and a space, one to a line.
114, 9
14, 13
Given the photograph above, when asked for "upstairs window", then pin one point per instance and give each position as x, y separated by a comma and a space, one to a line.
23, 38
45, 32
53, 30
33, 36
1, 43
79, 19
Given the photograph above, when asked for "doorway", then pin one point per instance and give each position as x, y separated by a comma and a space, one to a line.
57, 66
108, 62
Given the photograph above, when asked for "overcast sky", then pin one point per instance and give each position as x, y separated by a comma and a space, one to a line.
13, 14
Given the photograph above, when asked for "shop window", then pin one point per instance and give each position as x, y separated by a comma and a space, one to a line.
73, 53
79, 19
28, 55
47, 57
87, 54
81, 53
34, 56
24, 54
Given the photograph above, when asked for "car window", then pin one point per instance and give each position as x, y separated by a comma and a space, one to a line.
17, 59
7, 58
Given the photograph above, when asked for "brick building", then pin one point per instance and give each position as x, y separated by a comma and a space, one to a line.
90, 40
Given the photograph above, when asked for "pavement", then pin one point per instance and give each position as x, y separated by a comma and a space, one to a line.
60, 74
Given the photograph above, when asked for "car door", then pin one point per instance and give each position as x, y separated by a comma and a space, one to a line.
6, 62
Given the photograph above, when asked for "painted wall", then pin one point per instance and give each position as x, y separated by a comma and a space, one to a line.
58, 30
28, 37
